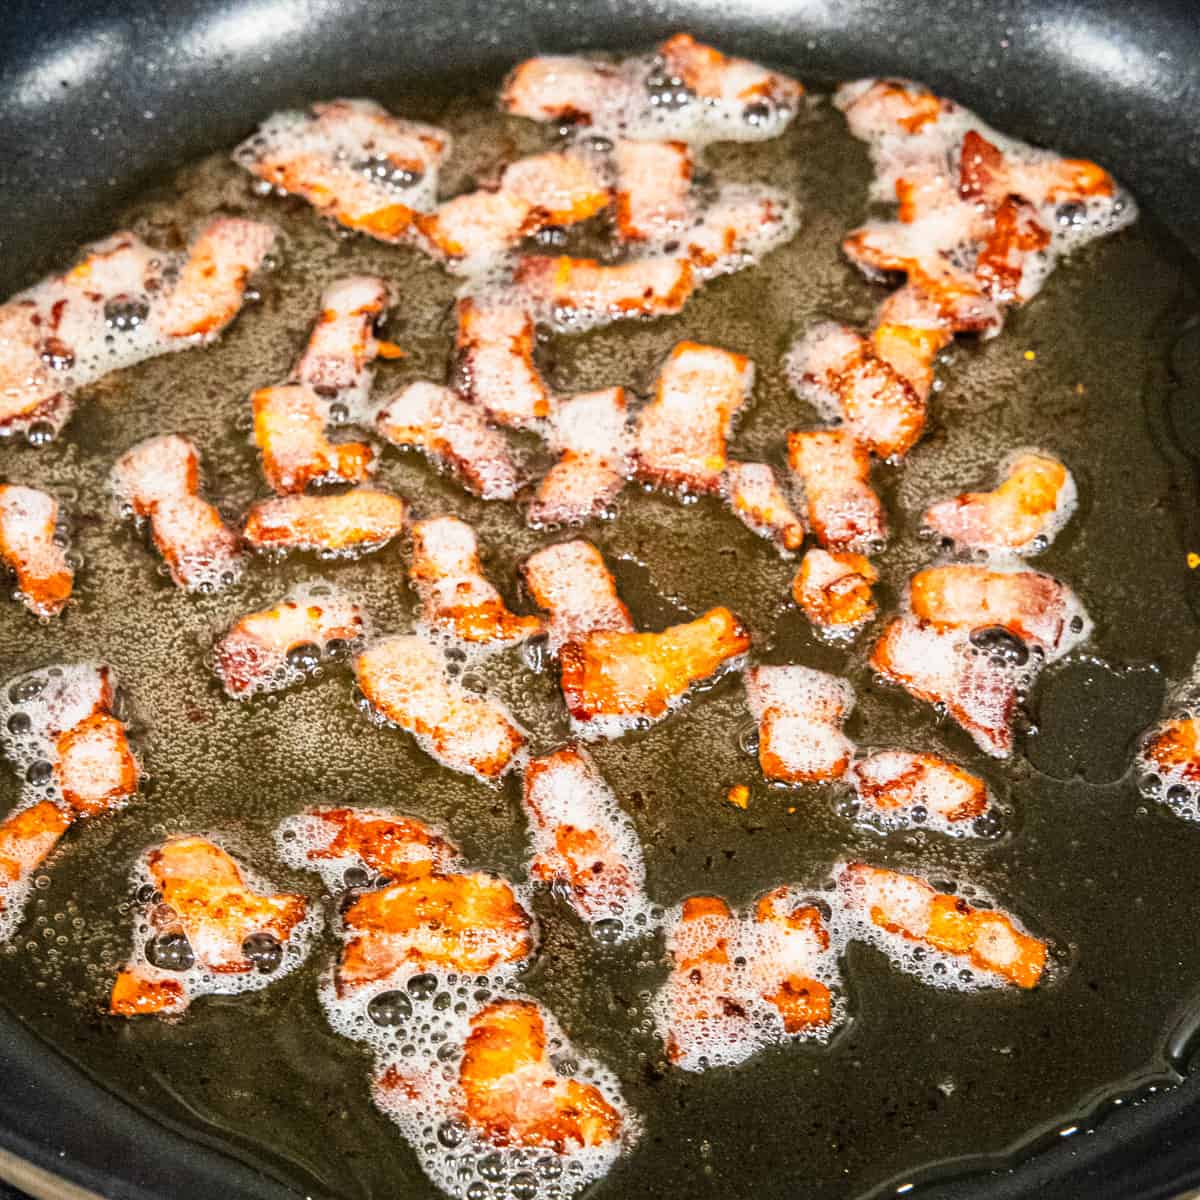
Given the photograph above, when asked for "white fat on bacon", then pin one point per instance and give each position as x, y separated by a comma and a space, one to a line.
571, 582
654, 181
28, 548
833, 588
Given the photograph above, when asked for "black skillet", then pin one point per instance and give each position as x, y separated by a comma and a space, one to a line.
1115, 81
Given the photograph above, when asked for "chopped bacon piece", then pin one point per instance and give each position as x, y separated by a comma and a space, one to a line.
159, 481
589, 432
942, 668
876, 108
909, 907
559, 88
575, 293
800, 713
716, 76
1011, 262
681, 434
405, 679
795, 936
612, 679
452, 433
1033, 607
1034, 499
583, 844
834, 590
896, 779
289, 430
399, 849
212, 281
357, 522
26, 839
512, 1093
352, 161
27, 547
94, 766
987, 174
741, 224
556, 188
495, 363
206, 901
834, 472
909, 333
1173, 748
654, 180
456, 599
759, 503
571, 582
468, 922
256, 655
336, 363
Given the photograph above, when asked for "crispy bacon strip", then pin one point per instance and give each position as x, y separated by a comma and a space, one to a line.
654, 181
581, 292
452, 433
834, 590
681, 434
942, 668
1034, 498
256, 655
512, 1093
611, 678
456, 599
26, 839
800, 713
28, 519
158, 480
897, 780
470, 922
910, 907
572, 583
358, 521
405, 679
289, 430
352, 161
834, 472
589, 432
495, 363
399, 849
795, 936
759, 503
584, 845
1033, 607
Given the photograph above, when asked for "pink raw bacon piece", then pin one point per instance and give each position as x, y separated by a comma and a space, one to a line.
572, 583
28, 519
834, 472
495, 365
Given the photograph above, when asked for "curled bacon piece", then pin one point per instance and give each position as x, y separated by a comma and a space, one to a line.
572, 583
583, 844
800, 713
352, 161
405, 680
354, 522
834, 472
895, 780
469, 922
452, 433
206, 903
654, 181
512, 1093
589, 432
1036, 608
1034, 499
27, 837
495, 362
834, 590
909, 907
578, 293
273, 649
456, 599
760, 504
28, 519
158, 480
612, 679
681, 434
741, 224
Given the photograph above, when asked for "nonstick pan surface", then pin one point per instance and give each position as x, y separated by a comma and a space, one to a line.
103, 101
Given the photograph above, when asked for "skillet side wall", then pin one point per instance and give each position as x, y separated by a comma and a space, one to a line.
96, 97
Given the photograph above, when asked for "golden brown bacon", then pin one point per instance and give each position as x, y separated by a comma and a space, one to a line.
654, 182
495, 362
28, 520
986, 174
612, 679
760, 504
834, 590
581, 291
94, 766
909, 907
158, 480
681, 434
405, 680
1173, 748
399, 849
353, 522
716, 76
26, 839
897, 780
834, 472
456, 599
452, 433
558, 88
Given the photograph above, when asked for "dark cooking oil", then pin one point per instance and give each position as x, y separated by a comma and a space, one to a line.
1095, 370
